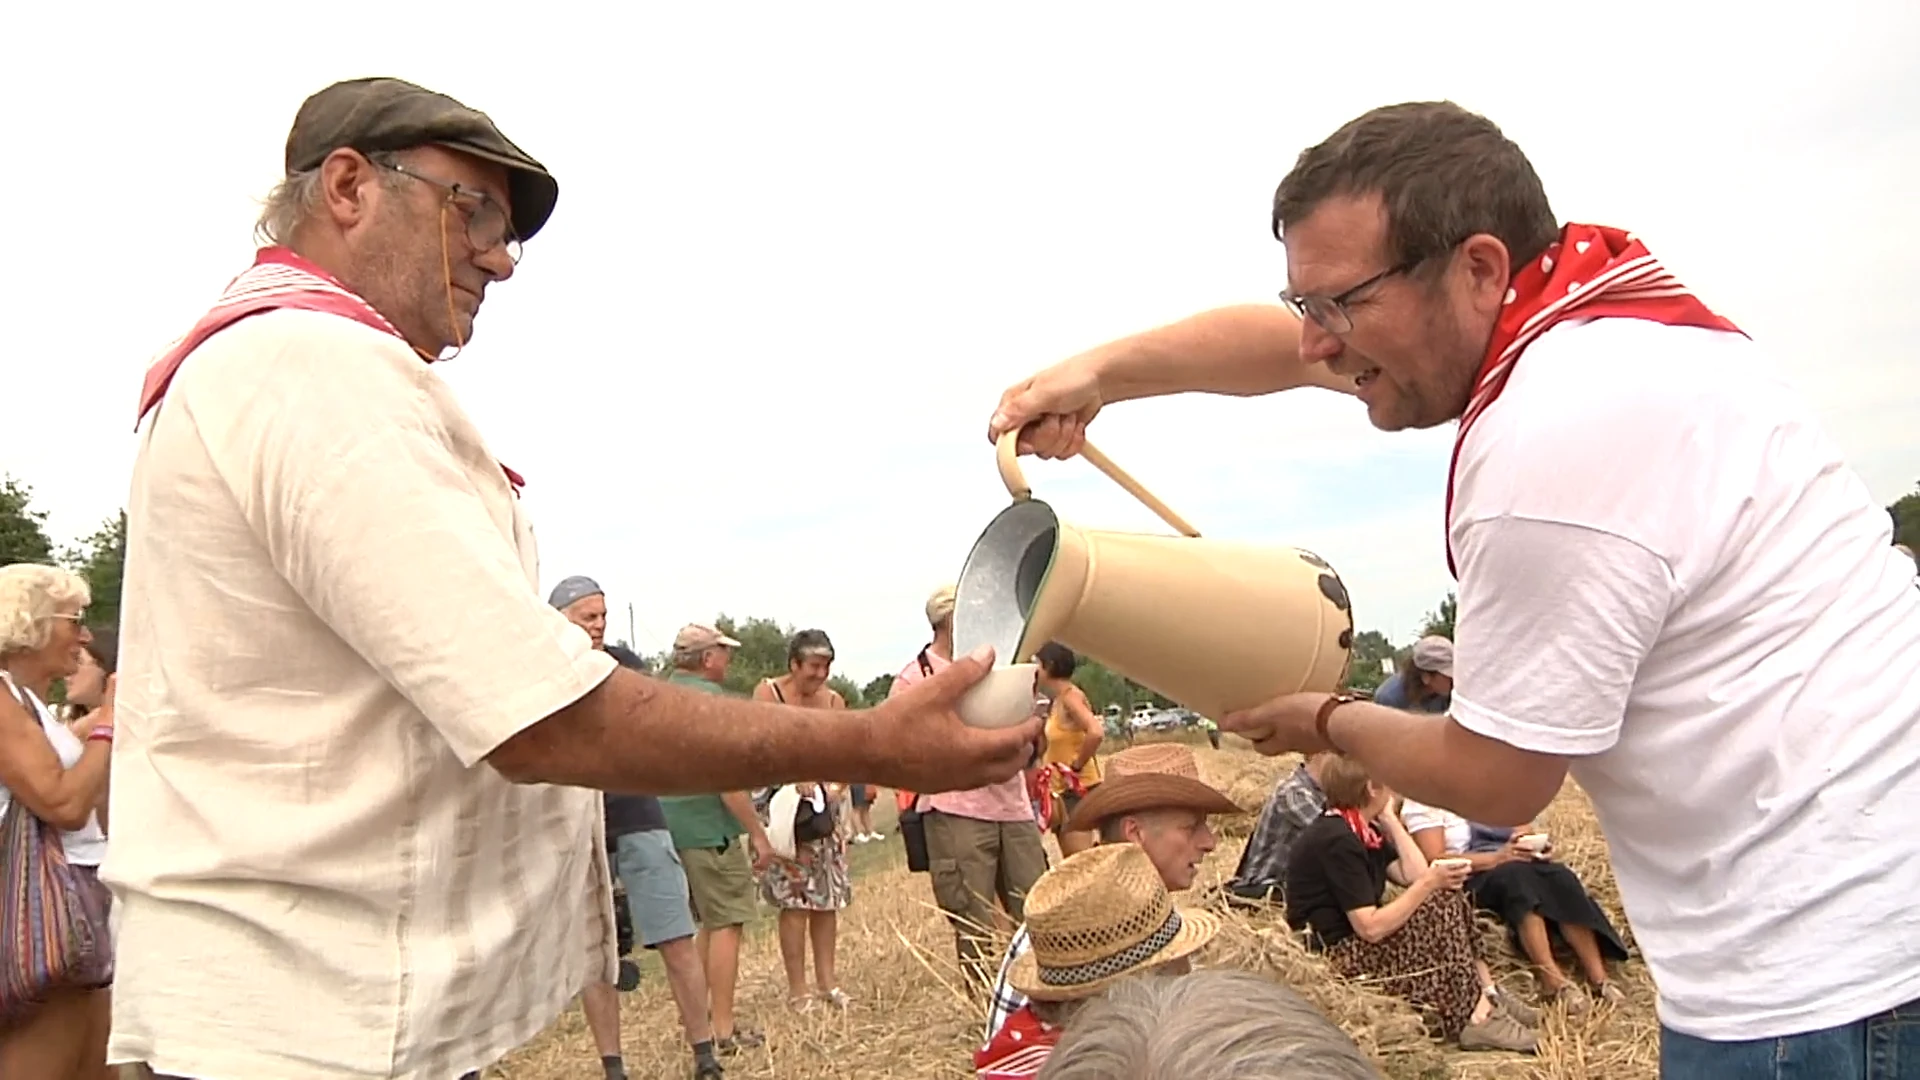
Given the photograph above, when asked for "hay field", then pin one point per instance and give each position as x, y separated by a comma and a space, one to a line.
910, 1019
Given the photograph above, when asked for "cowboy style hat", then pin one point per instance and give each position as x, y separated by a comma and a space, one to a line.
1159, 776
1098, 917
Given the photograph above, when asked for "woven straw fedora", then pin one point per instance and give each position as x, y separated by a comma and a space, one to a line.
1098, 917
1159, 776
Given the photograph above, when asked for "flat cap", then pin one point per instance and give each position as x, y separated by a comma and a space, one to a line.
383, 114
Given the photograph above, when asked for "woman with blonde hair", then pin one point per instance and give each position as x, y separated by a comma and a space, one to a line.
56, 778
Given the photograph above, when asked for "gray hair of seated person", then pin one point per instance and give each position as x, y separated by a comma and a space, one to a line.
1221, 1025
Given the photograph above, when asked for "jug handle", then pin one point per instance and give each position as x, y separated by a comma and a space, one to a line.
1008, 455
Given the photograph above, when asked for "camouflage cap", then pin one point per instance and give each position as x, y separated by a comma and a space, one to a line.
376, 114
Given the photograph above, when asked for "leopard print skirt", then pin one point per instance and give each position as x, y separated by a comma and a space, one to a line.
1428, 962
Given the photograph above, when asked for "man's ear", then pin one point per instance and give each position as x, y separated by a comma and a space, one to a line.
347, 184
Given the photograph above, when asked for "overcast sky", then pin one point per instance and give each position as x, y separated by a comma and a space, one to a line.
800, 249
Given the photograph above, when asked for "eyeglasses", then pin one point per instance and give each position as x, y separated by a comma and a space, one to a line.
489, 225
1331, 311
73, 616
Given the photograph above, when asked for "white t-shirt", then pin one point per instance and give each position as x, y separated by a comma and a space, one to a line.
84, 846
1669, 574
1456, 833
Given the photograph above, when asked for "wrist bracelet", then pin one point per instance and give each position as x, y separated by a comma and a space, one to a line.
1326, 713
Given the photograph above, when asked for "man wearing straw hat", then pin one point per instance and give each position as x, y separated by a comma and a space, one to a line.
1153, 799
1100, 916
1672, 584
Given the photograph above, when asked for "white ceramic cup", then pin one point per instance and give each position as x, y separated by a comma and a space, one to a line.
1535, 842
1465, 864
1003, 699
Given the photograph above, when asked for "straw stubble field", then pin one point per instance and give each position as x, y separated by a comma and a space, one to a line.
911, 1019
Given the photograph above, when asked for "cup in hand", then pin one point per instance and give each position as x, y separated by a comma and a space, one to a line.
1002, 699
1536, 843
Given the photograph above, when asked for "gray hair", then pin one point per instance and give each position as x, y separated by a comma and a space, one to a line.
1223, 1025
297, 197
31, 594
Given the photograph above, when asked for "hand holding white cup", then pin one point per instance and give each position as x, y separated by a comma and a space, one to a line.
1002, 699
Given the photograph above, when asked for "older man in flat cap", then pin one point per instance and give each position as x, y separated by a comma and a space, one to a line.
355, 830
1152, 797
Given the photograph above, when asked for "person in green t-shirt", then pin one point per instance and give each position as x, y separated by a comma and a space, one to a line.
707, 831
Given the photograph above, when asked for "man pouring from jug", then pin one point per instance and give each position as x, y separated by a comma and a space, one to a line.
1665, 566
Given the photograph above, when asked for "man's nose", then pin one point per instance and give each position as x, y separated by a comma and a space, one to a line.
1318, 345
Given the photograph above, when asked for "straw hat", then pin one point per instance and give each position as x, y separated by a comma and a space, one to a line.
1098, 917
1158, 776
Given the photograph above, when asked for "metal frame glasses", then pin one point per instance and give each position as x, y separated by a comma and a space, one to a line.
489, 225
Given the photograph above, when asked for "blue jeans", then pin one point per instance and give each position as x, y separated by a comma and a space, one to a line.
1882, 1047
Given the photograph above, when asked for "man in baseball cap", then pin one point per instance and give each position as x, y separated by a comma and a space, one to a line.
1426, 683
1153, 798
375, 629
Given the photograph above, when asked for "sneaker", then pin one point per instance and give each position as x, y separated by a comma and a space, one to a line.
1499, 1032
1504, 1002
836, 997
707, 1069
876, 835
1574, 999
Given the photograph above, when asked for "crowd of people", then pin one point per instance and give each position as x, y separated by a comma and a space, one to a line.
362, 775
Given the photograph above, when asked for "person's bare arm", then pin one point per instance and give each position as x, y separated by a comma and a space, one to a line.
1434, 760
1243, 350
1378, 923
637, 734
30, 770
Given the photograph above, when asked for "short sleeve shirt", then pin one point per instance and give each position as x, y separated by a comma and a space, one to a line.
1329, 873
330, 620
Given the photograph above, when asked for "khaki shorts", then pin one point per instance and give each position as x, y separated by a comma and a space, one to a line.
720, 885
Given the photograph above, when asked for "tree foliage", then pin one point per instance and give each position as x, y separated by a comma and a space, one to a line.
101, 559
1905, 512
1371, 652
1441, 622
23, 532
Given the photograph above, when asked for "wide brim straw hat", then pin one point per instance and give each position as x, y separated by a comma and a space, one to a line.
1098, 917
1158, 776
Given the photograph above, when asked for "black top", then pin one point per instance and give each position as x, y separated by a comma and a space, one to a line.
1329, 873
631, 813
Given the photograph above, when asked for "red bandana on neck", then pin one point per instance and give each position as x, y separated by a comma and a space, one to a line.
278, 279
1362, 828
1591, 272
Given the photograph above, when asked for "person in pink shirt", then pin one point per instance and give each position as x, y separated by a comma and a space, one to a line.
981, 842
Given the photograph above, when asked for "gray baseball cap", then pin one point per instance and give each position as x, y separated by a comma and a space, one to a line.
1434, 653
573, 590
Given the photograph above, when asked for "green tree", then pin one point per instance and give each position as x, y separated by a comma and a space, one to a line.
1371, 650
762, 653
1906, 519
877, 689
1441, 622
849, 693
101, 559
23, 532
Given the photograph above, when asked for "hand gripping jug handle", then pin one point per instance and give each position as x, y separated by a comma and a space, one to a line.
1008, 453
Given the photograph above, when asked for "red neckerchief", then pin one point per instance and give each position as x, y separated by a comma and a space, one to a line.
1591, 272
1018, 1050
1040, 786
278, 279
1363, 829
